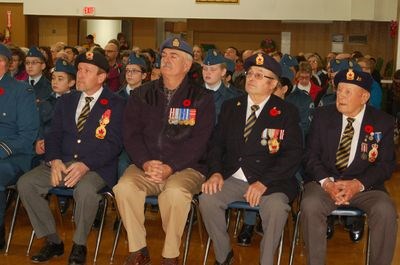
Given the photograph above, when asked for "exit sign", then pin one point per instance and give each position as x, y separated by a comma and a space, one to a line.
88, 10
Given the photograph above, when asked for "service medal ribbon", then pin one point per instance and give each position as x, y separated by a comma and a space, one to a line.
378, 136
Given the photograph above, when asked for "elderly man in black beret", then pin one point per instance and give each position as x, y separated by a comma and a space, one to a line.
166, 128
255, 151
350, 154
82, 148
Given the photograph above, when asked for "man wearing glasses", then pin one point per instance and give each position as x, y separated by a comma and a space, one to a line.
35, 63
255, 151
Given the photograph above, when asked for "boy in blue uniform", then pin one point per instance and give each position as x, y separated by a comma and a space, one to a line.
19, 124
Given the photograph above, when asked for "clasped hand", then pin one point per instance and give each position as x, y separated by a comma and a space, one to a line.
156, 171
73, 173
342, 191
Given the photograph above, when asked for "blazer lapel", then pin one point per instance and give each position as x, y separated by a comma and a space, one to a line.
98, 109
333, 136
240, 119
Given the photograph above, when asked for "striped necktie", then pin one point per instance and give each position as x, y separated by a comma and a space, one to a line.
250, 122
343, 152
84, 114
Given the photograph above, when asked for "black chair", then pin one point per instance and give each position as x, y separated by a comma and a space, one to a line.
345, 211
240, 206
153, 200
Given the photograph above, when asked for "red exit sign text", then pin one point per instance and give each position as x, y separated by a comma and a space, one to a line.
88, 10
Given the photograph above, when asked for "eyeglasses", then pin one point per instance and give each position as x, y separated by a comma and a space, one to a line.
133, 71
32, 62
258, 75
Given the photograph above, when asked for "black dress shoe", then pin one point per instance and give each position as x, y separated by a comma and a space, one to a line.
48, 251
330, 221
357, 229
78, 255
244, 238
2, 237
228, 260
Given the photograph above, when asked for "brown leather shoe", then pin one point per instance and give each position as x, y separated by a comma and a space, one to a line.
138, 258
169, 261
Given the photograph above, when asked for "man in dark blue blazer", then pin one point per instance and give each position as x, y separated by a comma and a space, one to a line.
82, 149
350, 154
254, 153
19, 123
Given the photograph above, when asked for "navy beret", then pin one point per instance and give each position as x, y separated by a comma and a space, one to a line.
343, 64
94, 58
135, 58
355, 77
177, 44
230, 65
213, 57
5, 51
265, 61
35, 52
288, 60
287, 72
64, 66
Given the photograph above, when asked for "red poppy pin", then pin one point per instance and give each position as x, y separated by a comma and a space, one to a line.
368, 128
103, 101
1, 91
274, 112
186, 102
195, 76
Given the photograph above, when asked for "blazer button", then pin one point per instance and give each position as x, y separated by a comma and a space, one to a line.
75, 156
257, 161
240, 159
79, 141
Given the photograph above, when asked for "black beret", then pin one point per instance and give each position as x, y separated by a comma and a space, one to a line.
265, 61
351, 76
94, 58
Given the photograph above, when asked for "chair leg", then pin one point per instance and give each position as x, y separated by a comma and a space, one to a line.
189, 233
294, 240
30, 242
280, 249
207, 250
103, 216
238, 215
116, 239
199, 221
14, 217
368, 248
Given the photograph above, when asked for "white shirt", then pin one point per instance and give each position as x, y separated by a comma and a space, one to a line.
239, 174
214, 88
82, 102
305, 88
128, 89
354, 142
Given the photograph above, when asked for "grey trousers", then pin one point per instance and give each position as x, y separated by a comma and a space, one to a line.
274, 209
316, 205
34, 185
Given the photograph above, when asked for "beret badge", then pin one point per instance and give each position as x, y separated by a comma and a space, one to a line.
350, 74
89, 55
175, 43
215, 53
64, 62
259, 59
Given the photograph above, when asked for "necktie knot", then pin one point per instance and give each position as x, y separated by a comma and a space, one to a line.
350, 120
254, 108
88, 99
32, 82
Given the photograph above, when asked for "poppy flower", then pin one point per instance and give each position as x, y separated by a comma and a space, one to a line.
1, 91
274, 112
186, 103
103, 101
368, 129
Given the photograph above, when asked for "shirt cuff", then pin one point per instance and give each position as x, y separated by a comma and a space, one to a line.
322, 181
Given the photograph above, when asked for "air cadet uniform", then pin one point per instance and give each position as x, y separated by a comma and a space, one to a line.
221, 93
134, 58
19, 124
288, 63
41, 84
97, 145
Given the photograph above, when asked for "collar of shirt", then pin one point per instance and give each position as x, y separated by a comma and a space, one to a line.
128, 89
213, 88
357, 128
95, 96
251, 103
305, 88
35, 80
1, 77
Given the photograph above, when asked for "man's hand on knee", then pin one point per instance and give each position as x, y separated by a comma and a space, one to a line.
213, 184
74, 173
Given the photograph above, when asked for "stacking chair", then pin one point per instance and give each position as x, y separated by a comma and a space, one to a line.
240, 206
345, 211
66, 192
153, 200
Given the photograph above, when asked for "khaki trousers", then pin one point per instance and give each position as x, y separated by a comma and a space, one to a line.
174, 199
